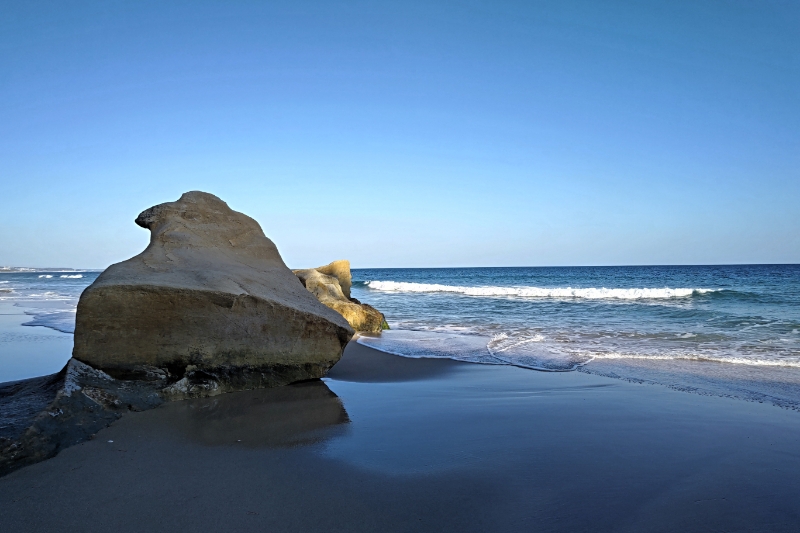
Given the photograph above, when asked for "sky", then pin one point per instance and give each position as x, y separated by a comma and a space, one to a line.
407, 134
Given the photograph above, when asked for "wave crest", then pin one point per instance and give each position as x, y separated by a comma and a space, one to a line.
538, 292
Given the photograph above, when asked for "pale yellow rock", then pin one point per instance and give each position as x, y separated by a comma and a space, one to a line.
329, 291
341, 271
209, 300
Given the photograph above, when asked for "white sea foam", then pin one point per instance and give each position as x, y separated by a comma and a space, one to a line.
59, 319
502, 342
76, 276
537, 292
48, 276
535, 351
527, 351
749, 361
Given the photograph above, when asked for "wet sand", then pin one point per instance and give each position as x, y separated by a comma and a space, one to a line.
392, 444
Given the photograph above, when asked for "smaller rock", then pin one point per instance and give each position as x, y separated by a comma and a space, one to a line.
341, 271
331, 285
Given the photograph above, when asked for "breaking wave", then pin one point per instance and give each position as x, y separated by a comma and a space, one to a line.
538, 292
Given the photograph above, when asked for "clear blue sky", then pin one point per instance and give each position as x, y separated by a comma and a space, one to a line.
407, 133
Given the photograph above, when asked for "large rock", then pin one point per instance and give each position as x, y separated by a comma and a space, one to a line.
209, 306
331, 286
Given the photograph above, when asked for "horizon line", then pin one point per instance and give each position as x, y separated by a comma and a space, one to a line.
10, 269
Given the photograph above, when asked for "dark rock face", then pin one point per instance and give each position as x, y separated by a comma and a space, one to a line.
208, 307
44, 415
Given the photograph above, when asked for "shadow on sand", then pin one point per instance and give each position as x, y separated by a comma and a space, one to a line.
294, 415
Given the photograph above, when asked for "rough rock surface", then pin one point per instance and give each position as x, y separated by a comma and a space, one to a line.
42, 416
328, 285
39, 417
209, 306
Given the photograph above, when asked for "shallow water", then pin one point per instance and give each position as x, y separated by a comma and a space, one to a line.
49, 297
46, 298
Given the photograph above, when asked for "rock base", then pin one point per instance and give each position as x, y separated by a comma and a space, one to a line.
42, 416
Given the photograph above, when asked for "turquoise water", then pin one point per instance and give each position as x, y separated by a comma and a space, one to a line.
723, 330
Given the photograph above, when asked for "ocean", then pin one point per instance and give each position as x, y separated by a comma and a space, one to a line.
718, 330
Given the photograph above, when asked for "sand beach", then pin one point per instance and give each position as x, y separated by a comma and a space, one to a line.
386, 443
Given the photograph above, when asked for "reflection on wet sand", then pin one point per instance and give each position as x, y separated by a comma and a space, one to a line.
294, 415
